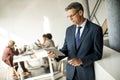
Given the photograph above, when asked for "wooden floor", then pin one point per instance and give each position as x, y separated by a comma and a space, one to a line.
6, 73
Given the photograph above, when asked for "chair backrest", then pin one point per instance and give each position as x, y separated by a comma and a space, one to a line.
104, 27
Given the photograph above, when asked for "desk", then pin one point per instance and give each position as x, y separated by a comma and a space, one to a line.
108, 67
39, 54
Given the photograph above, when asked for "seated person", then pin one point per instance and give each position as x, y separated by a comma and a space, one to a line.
7, 57
47, 41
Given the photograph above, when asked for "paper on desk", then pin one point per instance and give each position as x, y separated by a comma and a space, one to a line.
57, 52
33, 56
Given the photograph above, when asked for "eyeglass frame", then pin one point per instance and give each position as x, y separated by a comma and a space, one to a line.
73, 14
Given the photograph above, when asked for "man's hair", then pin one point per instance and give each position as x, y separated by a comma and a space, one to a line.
75, 5
49, 35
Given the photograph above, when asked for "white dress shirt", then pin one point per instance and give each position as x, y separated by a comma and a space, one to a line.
82, 28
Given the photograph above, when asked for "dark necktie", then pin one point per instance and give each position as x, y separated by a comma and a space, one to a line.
77, 37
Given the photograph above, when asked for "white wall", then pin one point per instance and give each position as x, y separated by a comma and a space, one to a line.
29, 19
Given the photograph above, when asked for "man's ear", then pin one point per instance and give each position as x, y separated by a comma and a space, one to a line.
80, 12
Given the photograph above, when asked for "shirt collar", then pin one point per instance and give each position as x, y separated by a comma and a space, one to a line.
83, 24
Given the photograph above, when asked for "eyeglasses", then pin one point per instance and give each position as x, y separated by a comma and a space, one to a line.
73, 14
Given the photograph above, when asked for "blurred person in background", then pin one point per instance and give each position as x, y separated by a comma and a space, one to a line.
47, 41
8, 54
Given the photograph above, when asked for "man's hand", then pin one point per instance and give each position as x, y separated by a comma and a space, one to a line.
51, 54
75, 62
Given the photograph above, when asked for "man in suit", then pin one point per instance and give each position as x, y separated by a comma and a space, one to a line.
83, 45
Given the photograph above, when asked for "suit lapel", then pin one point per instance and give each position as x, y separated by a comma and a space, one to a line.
73, 36
85, 31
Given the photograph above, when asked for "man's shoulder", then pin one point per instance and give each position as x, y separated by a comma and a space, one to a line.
92, 24
71, 26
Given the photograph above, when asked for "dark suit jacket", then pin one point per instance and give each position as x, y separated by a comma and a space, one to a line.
90, 49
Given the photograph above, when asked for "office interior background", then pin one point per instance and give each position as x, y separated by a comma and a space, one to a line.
25, 21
